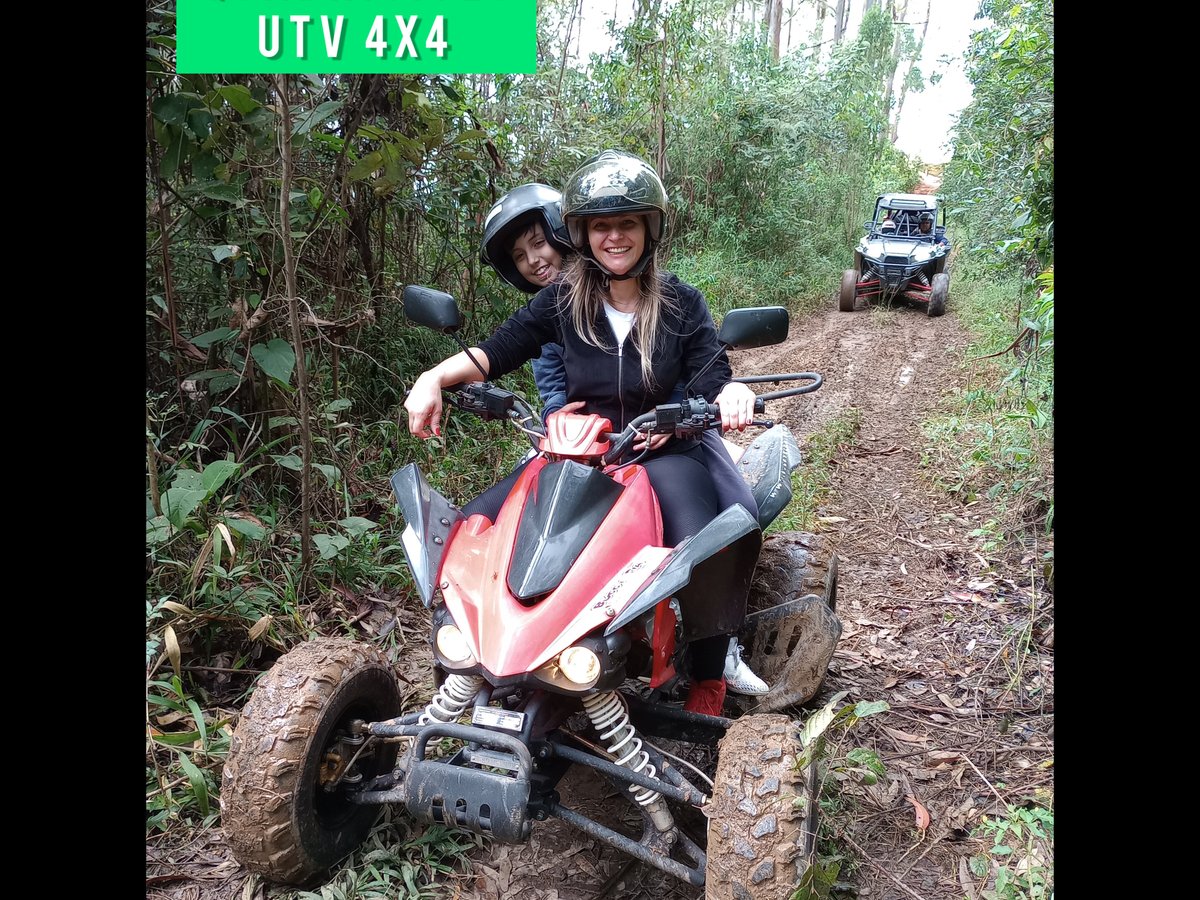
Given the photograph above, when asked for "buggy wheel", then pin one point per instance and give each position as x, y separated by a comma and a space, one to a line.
762, 820
849, 290
937, 296
278, 818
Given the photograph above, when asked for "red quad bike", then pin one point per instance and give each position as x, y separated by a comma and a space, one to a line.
543, 622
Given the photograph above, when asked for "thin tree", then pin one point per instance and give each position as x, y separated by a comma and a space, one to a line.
775, 24
898, 41
289, 280
840, 14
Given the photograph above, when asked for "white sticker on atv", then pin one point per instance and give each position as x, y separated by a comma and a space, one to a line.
491, 717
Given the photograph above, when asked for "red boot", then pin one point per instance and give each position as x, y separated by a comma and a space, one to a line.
707, 697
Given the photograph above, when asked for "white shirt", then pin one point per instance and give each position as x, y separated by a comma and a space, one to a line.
621, 322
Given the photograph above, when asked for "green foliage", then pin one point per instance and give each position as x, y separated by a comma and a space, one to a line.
186, 750
818, 727
1002, 173
822, 736
818, 879
1020, 861
998, 441
396, 860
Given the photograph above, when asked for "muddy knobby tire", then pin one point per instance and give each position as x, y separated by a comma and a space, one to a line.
762, 818
848, 291
276, 818
937, 295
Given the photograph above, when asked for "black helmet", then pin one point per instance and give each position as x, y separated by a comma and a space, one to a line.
512, 214
612, 183
925, 221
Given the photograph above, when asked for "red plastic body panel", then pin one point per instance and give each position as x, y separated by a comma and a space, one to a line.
509, 638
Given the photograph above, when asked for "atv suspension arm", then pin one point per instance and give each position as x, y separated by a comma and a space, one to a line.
650, 856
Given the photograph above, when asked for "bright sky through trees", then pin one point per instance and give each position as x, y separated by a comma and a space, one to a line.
928, 116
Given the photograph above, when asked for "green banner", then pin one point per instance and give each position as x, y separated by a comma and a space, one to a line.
295, 36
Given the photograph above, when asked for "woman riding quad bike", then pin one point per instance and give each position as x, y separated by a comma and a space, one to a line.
551, 611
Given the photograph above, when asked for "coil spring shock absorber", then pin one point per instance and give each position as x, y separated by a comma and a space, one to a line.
451, 699
610, 717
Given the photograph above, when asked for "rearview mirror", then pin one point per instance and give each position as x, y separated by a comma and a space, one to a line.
433, 309
760, 326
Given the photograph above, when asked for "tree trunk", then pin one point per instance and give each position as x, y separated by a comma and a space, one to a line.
839, 21
661, 158
289, 280
897, 47
164, 243
562, 63
776, 27
152, 469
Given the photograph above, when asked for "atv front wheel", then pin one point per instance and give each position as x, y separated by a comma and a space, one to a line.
292, 740
762, 820
937, 296
849, 290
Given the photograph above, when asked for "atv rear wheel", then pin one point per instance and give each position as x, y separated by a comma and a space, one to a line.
278, 818
849, 290
937, 296
790, 565
762, 820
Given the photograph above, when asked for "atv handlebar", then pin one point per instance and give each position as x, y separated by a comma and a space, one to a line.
684, 419
490, 402
690, 417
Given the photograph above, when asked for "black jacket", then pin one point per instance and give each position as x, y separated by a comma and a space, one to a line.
611, 383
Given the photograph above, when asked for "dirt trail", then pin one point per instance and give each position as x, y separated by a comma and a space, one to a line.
931, 625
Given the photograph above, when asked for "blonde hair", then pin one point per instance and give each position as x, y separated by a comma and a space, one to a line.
587, 289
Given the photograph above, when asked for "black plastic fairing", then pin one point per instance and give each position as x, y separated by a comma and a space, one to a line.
569, 502
429, 519
710, 575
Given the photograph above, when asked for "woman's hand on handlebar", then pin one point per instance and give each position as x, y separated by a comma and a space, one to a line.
424, 406
737, 406
653, 442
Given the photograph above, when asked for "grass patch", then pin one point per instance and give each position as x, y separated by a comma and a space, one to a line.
1019, 863
996, 441
882, 315
398, 859
810, 481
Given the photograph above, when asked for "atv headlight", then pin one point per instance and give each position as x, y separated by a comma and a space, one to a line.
453, 645
579, 665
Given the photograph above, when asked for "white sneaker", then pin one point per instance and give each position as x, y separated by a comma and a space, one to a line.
739, 677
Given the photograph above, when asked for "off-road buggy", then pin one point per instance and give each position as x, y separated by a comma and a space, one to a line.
559, 631
895, 259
